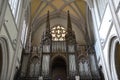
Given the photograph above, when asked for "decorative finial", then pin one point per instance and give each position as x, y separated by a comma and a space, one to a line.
48, 23
69, 26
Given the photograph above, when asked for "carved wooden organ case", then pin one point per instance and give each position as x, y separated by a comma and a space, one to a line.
80, 59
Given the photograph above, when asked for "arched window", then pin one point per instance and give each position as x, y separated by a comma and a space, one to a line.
58, 33
3, 59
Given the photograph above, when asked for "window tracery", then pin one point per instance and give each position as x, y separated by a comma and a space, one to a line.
58, 33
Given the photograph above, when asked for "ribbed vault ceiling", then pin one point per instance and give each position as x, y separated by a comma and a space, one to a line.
58, 9
76, 7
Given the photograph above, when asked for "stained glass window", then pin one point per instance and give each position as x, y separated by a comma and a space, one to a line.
58, 33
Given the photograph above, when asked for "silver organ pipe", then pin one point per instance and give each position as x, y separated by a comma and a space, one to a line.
34, 69
58, 46
64, 47
37, 69
52, 47
93, 66
31, 70
55, 46
45, 65
81, 68
87, 70
72, 64
24, 64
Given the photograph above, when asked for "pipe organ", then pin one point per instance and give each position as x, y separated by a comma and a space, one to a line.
58, 46
59, 58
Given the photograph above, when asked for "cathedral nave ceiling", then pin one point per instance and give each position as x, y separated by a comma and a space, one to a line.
58, 15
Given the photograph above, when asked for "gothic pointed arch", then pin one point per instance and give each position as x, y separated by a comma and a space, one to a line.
4, 64
114, 61
59, 68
